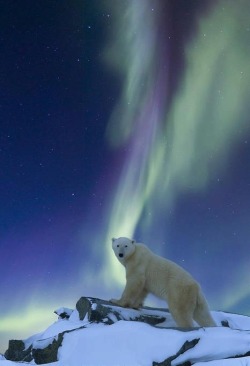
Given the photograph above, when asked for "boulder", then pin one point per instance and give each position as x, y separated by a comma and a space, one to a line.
17, 351
97, 310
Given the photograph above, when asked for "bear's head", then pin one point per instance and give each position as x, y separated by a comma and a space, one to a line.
123, 248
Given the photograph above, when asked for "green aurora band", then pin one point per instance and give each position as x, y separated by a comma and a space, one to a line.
180, 146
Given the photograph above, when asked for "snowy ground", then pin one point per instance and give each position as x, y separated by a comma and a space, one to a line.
131, 343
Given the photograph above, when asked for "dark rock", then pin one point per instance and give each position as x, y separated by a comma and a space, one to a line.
49, 353
225, 323
186, 346
104, 311
63, 313
17, 351
83, 306
96, 310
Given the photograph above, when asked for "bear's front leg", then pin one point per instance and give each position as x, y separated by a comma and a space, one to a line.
132, 294
117, 302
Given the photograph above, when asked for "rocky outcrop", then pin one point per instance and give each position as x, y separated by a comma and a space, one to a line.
43, 348
18, 352
97, 310
89, 309
49, 353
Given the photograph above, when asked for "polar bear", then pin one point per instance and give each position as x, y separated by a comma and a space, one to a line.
149, 273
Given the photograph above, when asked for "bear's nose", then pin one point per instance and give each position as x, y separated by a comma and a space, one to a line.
120, 255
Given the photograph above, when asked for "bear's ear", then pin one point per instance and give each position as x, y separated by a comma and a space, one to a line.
113, 239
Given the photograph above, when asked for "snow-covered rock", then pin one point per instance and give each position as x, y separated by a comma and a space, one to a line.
99, 333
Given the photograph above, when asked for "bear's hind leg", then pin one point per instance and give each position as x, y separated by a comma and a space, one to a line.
202, 314
183, 319
203, 317
182, 303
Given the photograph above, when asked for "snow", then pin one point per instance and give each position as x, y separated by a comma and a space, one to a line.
132, 343
243, 361
223, 343
123, 343
138, 344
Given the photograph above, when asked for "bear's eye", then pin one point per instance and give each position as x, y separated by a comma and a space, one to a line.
126, 246
117, 245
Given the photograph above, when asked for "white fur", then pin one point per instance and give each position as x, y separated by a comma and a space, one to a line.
149, 273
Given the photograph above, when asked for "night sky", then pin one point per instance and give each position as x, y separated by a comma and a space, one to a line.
121, 118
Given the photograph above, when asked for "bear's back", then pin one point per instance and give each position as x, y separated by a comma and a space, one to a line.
156, 263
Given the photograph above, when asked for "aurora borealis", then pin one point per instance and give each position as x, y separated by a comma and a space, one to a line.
180, 148
122, 118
